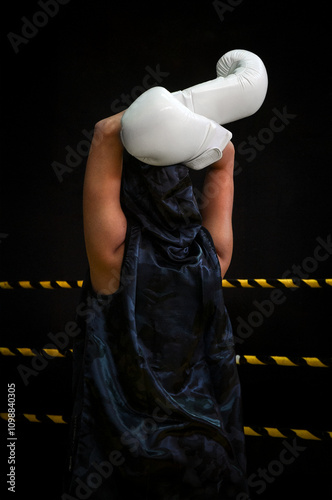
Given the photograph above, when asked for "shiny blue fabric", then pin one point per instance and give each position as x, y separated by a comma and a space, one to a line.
157, 410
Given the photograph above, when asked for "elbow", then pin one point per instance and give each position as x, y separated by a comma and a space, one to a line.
224, 265
225, 256
108, 127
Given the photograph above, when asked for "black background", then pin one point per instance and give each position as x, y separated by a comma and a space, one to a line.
73, 71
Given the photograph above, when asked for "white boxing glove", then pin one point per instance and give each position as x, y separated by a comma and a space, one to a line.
238, 91
158, 130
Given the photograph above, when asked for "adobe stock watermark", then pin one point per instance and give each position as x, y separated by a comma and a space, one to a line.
41, 361
77, 154
132, 440
264, 309
30, 27
249, 149
61, 340
102, 470
259, 480
223, 7
255, 144
74, 156
135, 436
152, 78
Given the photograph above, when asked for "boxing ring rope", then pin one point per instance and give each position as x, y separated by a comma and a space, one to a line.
257, 360
253, 431
229, 283
241, 359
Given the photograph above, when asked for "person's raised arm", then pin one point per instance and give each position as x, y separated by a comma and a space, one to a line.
218, 194
105, 224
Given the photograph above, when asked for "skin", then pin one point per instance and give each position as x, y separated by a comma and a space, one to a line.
218, 191
105, 224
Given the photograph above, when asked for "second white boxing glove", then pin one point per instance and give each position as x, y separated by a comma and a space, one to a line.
158, 130
238, 91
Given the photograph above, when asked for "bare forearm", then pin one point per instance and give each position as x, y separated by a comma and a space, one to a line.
217, 210
104, 221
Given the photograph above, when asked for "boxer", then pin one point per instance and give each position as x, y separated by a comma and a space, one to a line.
160, 337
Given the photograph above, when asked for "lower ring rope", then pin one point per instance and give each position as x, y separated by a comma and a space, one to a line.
253, 431
229, 283
264, 360
241, 359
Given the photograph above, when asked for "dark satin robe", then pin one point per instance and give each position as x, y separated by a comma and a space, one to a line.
157, 409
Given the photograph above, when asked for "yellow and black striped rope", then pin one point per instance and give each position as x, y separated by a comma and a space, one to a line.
241, 359
252, 431
28, 352
296, 361
314, 435
229, 283
40, 285
277, 283
38, 418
